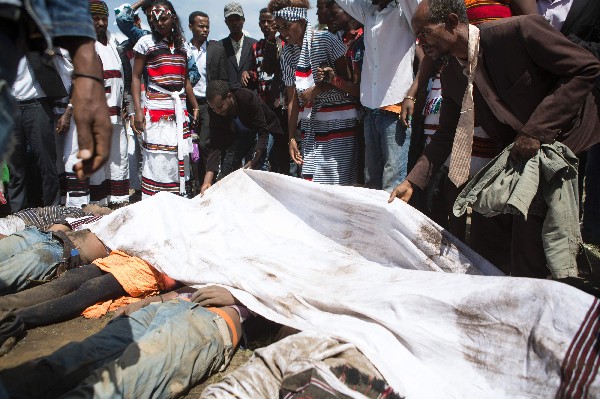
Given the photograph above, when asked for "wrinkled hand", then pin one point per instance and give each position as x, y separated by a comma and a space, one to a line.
245, 79
408, 108
308, 95
403, 191
295, 153
139, 122
325, 74
64, 122
524, 148
213, 296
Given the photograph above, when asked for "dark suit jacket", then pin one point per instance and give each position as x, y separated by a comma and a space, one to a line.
216, 62
582, 25
253, 113
529, 79
233, 69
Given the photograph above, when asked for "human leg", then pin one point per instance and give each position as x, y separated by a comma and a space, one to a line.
161, 169
12, 44
395, 148
78, 192
17, 164
166, 361
527, 250
232, 160
373, 153
40, 137
15, 243
591, 206
32, 263
64, 369
67, 282
118, 167
90, 292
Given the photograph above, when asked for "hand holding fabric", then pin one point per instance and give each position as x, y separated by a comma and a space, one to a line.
524, 148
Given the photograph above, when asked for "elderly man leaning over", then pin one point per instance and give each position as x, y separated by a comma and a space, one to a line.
536, 91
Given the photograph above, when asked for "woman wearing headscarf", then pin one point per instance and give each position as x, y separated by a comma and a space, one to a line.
328, 116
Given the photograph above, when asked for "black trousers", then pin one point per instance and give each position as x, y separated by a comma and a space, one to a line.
34, 137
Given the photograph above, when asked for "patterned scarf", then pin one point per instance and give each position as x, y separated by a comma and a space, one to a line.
292, 14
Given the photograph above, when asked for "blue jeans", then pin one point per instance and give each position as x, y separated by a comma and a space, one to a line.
591, 207
266, 156
30, 255
386, 149
157, 352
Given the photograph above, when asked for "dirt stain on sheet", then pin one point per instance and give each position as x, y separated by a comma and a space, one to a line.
487, 339
436, 243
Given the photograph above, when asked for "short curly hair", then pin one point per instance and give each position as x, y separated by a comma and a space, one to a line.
440, 9
276, 5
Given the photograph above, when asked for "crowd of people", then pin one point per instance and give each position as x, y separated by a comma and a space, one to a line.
444, 104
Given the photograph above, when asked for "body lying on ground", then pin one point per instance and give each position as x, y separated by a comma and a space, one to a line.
158, 351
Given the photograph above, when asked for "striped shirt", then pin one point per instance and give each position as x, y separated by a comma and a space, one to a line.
167, 69
329, 124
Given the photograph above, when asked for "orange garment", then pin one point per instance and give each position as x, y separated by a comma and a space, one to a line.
395, 108
234, 337
137, 277
102, 308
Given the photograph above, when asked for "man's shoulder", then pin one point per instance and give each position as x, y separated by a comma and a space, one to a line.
245, 95
250, 39
512, 23
214, 46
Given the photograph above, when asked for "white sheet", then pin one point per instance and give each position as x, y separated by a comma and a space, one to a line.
342, 261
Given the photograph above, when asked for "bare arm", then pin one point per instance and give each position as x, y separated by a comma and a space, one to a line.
191, 97
136, 92
293, 108
427, 69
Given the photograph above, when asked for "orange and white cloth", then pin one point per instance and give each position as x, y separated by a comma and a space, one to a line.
137, 277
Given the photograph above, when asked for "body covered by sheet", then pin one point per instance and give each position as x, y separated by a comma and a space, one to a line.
436, 319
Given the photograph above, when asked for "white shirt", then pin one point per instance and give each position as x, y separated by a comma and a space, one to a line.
389, 50
200, 58
237, 47
25, 86
555, 11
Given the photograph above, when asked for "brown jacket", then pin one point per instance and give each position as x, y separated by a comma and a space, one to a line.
529, 79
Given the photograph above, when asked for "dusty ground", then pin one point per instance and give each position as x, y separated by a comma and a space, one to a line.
45, 340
